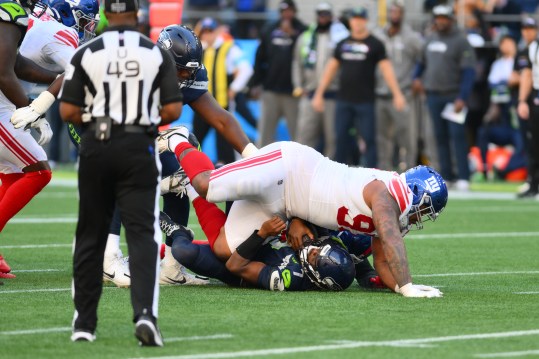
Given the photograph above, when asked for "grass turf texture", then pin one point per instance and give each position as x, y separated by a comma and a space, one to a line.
216, 319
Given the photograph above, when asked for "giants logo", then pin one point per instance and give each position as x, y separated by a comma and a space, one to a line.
432, 184
360, 223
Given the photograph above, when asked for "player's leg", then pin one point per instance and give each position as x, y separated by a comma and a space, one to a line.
175, 205
197, 257
20, 149
115, 266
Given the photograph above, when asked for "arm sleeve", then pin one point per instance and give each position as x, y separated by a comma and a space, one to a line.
75, 80
168, 82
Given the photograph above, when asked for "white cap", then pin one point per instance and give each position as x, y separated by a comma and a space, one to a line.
324, 6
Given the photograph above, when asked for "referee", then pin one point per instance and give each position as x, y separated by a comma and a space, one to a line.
528, 110
119, 87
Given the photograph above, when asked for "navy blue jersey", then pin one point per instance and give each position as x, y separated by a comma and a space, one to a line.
197, 89
190, 94
278, 256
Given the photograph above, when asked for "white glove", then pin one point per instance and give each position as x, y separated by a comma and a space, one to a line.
43, 128
24, 116
276, 282
418, 291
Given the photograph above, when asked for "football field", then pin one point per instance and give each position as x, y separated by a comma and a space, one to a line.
482, 253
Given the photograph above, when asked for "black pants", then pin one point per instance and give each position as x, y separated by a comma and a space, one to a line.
123, 171
533, 126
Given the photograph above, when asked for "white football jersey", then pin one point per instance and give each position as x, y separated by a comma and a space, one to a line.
49, 44
330, 194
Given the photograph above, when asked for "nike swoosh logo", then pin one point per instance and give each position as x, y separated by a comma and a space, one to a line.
109, 275
182, 281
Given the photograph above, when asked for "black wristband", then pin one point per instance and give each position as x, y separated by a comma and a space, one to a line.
250, 247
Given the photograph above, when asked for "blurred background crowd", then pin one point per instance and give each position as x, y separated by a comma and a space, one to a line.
439, 81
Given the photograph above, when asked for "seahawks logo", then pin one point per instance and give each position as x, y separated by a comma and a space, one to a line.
165, 40
12, 12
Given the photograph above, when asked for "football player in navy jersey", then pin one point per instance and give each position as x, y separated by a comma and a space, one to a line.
186, 50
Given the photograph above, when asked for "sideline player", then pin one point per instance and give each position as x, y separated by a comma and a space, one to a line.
24, 170
292, 180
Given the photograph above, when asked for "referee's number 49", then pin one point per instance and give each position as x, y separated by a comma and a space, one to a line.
130, 68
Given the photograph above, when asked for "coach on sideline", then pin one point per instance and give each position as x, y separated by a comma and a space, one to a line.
119, 87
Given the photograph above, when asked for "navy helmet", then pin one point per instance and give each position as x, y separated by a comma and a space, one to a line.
185, 48
333, 269
429, 194
78, 14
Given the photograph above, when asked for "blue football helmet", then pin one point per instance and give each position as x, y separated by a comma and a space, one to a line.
429, 194
185, 48
82, 15
333, 269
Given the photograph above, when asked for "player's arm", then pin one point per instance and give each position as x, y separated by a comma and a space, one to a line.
27, 70
329, 73
385, 215
9, 85
298, 232
241, 261
381, 265
224, 123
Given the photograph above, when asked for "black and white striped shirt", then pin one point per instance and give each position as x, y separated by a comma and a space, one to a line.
121, 74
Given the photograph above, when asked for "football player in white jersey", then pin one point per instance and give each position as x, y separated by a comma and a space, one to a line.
24, 170
291, 180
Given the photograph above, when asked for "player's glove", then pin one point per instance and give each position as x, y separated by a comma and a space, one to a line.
44, 130
24, 116
276, 282
418, 291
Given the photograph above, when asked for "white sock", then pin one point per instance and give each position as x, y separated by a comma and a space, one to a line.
168, 255
191, 192
113, 246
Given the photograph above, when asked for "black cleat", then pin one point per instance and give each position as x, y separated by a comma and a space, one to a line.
147, 332
172, 229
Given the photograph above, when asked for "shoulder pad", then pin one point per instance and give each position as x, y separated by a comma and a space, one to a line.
13, 12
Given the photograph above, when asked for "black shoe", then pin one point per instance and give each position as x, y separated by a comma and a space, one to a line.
147, 332
529, 193
173, 229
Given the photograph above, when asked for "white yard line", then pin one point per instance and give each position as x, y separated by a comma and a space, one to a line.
42, 290
351, 345
412, 237
199, 337
508, 354
474, 274
40, 220
35, 270
526, 293
472, 235
34, 290
36, 331
34, 246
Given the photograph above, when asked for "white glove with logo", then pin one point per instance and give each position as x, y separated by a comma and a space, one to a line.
44, 130
24, 116
418, 291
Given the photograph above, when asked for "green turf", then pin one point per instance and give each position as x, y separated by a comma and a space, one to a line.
471, 236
